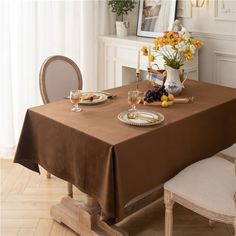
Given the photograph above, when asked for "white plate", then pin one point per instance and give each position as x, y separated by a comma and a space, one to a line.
102, 98
144, 118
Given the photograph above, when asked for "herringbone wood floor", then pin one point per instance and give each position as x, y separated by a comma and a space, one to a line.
26, 198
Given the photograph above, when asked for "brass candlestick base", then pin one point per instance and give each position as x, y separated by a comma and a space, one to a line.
137, 79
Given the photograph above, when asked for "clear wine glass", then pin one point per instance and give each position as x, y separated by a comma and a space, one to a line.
134, 98
75, 99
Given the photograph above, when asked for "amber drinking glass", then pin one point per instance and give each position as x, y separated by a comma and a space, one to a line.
75, 99
134, 98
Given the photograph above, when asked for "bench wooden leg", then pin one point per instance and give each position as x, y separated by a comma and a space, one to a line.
169, 203
84, 218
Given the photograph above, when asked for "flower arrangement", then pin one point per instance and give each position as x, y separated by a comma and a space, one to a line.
175, 47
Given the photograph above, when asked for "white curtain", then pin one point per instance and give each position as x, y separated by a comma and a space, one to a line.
32, 30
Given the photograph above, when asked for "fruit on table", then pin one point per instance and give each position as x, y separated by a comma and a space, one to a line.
170, 97
164, 104
155, 94
159, 94
167, 103
164, 98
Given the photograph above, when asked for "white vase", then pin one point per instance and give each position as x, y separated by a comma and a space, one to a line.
173, 84
122, 28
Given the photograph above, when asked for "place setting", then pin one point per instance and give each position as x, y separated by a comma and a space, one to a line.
77, 97
136, 117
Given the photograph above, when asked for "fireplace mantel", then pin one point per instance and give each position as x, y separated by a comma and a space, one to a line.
118, 60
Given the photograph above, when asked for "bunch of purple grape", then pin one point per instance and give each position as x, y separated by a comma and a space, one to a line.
155, 94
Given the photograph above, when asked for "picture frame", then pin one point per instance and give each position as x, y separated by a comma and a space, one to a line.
225, 10
184, 9
155, 17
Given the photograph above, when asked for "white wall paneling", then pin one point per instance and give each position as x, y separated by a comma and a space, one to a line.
217, 56
215, 36
225, 10
225, 64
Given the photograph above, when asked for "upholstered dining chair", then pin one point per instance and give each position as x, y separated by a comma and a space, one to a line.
58, 75
207, 187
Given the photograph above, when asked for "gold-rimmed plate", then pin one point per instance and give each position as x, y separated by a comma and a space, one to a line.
141, 118
97, 98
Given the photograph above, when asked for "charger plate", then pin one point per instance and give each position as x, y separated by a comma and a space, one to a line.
143, 118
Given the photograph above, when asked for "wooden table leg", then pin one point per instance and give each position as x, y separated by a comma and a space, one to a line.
70, 189
84, 218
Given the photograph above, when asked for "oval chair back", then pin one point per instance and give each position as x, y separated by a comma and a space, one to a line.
58, 75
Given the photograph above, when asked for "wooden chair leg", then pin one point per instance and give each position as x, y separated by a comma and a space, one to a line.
48, 175
212, 223
70, 189
169, 203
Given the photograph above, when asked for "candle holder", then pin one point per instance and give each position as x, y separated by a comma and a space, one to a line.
137, 80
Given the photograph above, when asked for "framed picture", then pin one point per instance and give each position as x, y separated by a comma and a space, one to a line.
155, 17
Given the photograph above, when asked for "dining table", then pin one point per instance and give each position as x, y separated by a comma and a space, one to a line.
122, 167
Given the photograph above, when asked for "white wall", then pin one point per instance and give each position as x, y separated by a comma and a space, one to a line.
215, 24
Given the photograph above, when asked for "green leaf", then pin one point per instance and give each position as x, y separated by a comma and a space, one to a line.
122, 7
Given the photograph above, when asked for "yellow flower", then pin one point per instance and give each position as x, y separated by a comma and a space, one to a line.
172, 42
156, 42
155, 48
144, 50
197, 43
165, 41
188, 56
151, 58
170, 34
187, 50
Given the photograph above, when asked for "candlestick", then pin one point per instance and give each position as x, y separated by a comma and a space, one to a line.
137, 80
138, 63
149, 53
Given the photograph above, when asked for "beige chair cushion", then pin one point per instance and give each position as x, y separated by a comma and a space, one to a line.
210, 183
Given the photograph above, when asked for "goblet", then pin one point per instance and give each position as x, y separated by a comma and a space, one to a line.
134, 98
75, 99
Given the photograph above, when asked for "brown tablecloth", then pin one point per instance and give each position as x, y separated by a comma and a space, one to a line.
114, 162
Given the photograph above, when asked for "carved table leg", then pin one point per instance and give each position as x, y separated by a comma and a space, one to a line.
212, 223
70, 189
48, 175
169, 203
84, 218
